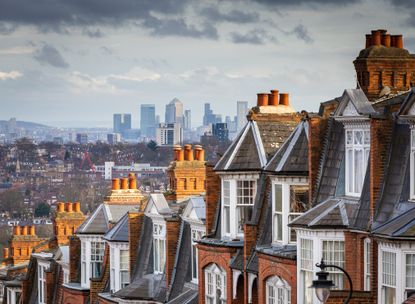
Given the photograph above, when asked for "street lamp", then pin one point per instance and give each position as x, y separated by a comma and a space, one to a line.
322, 285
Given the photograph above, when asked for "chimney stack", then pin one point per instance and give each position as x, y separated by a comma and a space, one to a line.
77, 207
262, 99
32, 230
284, 99
16, 230
124, 183
376, 38
199, 153
398, 41
61, 207
115, 184
69, 207
132, 181
24, 230
176, 151
188, 152
368, 40
5, 253
386, 40
273, 98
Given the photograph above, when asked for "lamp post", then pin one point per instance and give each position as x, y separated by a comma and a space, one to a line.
322, 285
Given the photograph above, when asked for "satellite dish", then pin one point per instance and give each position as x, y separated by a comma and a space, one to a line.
386, 90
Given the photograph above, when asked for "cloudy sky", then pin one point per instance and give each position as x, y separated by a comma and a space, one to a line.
77, 62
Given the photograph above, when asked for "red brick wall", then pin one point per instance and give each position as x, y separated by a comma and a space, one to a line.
269, 266
221, 257
75, 258
59, 291
135, 223
73, 296
172, 235
213, 188
98, 284
359, 297
50, 284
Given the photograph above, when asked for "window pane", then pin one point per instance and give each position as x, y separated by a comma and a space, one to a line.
227, 219
298, 198
333, 253
244, 214
410, 271
278, 198
358, 169
349, 162
349, 137
278, 226
388, 268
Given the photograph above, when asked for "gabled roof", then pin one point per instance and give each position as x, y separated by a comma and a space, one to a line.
292, 157
402, 226
255, 144
157, 204
195, 209
354, 103
118, 233
100, 219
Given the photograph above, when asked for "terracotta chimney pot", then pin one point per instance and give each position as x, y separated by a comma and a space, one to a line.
376, 38
368, 40
32, 230
132, 182
181, 155
284, 99
115, 184
77, 207
399, 41
273, 98
24, 230
201, 155
386, 40
188, 152
5, 252
69, 207
16, 230
124, 183
176, 152
197, 151
61, 207
262, 99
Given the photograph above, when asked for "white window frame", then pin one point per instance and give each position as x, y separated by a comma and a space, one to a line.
230, 205
277, 291
385, 281
412, 163
41, 282
159, 246
66, 278
86, 257
215, 280
334, 256
12, 297
285, 214
197, 234
116, 250
367, 256
351, 188
306, 269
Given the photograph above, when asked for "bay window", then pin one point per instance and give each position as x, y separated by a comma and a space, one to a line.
367, 256
277, 291
409, 274
306, 270
357, 155
13, 295
289, 202
119, 266
159, 247
333, 253
215, 285
388, 277
124, 268
412, 164
237, 204
196, 236
97, 256
92, 256
41, 285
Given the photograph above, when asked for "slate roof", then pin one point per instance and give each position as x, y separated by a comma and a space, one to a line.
197, 205
407, 104
237, 261
159, 201
254, 146
284, 251
105, 214
118, 233
292, 157
359, 100
402, 226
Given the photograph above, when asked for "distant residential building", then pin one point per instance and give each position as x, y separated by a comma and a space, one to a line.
82, 138
187, 120
113, 138
148, 120
58, 140
169, 134
174, 112
220, 131
241, 111
122, 123
131, 135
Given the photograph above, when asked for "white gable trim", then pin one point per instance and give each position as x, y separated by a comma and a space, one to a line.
350, 110
260, 146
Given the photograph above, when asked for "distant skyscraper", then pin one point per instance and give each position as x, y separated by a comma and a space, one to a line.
174, 112
220, 132
148, 120
242, 110
187, 120
122, 123
113, 138
169, 134
209, 117
82, 138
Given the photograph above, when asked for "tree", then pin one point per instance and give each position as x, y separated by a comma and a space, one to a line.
42, 209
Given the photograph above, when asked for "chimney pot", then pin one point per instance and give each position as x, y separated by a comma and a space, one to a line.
284, 99
181, 155
399, 41
176, 151
16, 230
386, 40
124, 183
69, 207
273, 98
262, 99
368, 40
376, 38
115, 184
77, 207
188, 152
61, 207
32, 230
5, 252
24, 230
132, 181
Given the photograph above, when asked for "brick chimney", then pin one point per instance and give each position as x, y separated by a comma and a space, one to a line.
66, 221
384, 62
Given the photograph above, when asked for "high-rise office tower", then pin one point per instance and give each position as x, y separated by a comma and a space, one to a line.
122, 123
174, 112
187, 120
209, 117
148, 120
169, 134
242, 110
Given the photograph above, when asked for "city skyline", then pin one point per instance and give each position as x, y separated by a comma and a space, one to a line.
218, 52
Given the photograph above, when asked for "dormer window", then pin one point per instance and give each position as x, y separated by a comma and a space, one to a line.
92, 256
357, 155
412, 164
237, 205
159, 247
119, 265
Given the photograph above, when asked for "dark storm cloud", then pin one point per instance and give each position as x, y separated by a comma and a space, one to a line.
235, 16
255, 36
48, 54
301, 32
311, 2
409, 7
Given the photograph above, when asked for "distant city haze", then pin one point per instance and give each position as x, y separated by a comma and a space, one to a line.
75, 64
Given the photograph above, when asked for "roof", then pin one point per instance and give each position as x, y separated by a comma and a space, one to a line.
283, 251
100, 219
158, 204
118, 233
292, 157
354, 103
195, 209
334, 213
255, 144
400, 226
